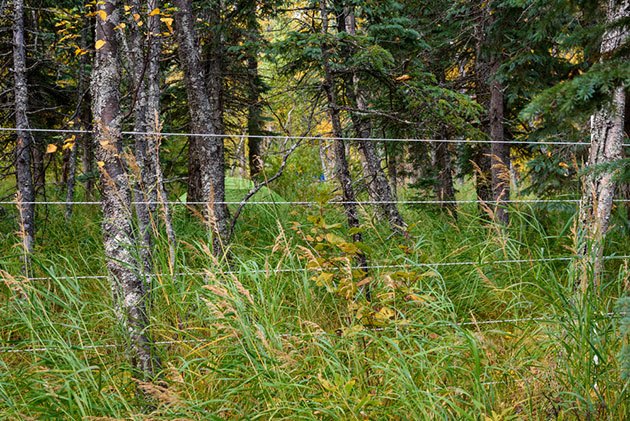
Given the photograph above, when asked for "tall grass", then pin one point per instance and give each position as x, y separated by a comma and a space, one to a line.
249, 342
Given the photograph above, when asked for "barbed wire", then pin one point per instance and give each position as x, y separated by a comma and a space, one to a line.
315, 203
337, 333
286, 137
335, 268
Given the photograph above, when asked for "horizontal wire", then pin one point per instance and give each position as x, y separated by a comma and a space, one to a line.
548, 319
280, 137
311, 203
369, 267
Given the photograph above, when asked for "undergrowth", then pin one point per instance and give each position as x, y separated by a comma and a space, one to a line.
285, 330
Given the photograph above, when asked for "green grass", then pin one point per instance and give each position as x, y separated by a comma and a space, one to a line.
255, 344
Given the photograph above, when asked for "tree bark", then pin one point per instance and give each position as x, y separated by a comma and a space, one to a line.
81, 121
500, 151
254, 106
24, 175
378, 186
153, 175
392, 170
482, 161
444, 189
206, 161
607, 133
144, 184
128, 288
342, 171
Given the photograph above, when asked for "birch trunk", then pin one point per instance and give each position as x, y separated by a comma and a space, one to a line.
207, 162
607, 133
128, 288
24, 175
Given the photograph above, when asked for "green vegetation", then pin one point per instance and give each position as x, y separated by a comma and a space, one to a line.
302, 343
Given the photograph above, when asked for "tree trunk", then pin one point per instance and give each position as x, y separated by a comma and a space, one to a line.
444, 189
128, 288
378, 186
143, 185
607, 133
392, 170
500, 151
24, 176
254, 106
38, 150
483, 174
342, 171
482, 161
81, 121
153, 176
71, 180
207, 162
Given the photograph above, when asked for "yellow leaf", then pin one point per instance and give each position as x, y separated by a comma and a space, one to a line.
127, 8
100, 164
140, 23
69, 143
168, 22
99, 44
102, 14
51, 148
155, 11
79, 51
136, 17
402, 78
121, 25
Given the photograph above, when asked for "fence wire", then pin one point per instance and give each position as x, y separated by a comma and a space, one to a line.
313, 138
337, 333
413, 265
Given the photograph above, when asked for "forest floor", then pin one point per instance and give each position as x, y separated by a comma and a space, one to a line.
466, 320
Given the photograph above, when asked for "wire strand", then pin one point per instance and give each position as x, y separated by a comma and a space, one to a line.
200, 341
369, 267
319, 138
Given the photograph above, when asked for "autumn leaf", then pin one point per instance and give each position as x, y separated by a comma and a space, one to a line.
79, 51
100, 164
168, 22
402, 78
99, 44
121, 25
69, 143
102, 14
51, 148
155, 11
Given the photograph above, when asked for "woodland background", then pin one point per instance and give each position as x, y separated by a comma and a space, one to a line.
314, 209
